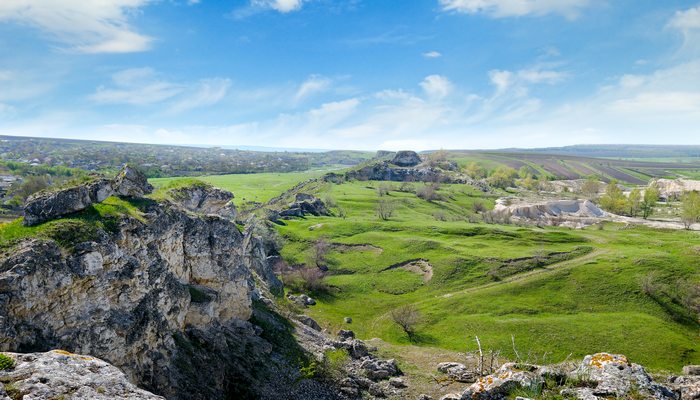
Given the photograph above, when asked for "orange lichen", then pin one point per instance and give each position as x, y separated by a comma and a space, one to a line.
62, 352
598, 360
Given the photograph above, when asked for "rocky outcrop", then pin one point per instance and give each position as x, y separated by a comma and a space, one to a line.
59, 374
574, 213
204, 199
45, 206
305, 204
671, 189
385, 171
599, 376
406, 158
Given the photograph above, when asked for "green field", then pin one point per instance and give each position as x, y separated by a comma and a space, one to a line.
251, 187
590, 301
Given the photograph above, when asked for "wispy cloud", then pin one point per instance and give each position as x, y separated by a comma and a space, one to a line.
516, 8
206, 92
258, 6
85, 26
432, 54
313, 85
436, 86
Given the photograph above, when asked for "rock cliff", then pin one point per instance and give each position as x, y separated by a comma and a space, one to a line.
166, 294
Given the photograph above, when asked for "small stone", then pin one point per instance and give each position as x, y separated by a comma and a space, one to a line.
397, 382
691, 370
344, 334
347, 320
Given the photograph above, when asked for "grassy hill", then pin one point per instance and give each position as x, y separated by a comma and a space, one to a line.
557, 291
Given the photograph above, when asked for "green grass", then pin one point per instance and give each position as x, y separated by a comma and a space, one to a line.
566, 292
247, 187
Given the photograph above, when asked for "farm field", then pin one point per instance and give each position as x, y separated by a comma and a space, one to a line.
558, 292
250, 187
637, 172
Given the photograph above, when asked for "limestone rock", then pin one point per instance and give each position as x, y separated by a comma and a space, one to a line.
310, 322
688, 386
205, 199
508, 377
691, 370
406, 158
46, 206
131, 182
58, 374
377, 369
457, 372
305, 204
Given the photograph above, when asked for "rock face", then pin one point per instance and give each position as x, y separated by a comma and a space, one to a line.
575, 213
45, 206
385, 171
139, 297
406, 158
670, 189
205, 199
58, 374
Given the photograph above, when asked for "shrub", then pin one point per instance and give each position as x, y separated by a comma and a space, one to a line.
309, 280
429, 192
6, 362
385, 209
478, 207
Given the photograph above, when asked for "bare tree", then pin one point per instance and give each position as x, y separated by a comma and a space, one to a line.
385, 209
407, 317
319, 253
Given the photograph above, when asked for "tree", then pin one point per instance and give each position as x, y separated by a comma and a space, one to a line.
634, 201
590, 188
690, 209
524, 172
651, 197
385, 209
407, 317
475, 171
503, 177
613, 200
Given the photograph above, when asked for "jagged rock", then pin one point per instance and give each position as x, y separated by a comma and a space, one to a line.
508, 377
135, 296
346, 334
305, 204
46, 206
131, 182
687, 386
615, 376
457, 372
377, 369
205, 199
58, 374
406, 158
691, 370
310, 322
376, 390
385, 171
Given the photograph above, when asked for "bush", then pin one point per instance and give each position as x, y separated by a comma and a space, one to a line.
429, 192
385, 209
407, 317
306, 280
478, 207
6, 362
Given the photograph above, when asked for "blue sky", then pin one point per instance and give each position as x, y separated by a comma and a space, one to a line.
353, 74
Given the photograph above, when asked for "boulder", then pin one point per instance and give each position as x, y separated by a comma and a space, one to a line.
457, 372
406, 158
205, 199
46, 206
346, 335
310, 322
688, 386
377, 369
397, 382
691, 370
131, 182
347, 320
59, 374
509, 377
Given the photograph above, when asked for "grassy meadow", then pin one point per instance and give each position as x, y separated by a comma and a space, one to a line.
558, 292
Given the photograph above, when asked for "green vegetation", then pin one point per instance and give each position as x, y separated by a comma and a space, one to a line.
6, 362
690, 209
245, 187
558, 291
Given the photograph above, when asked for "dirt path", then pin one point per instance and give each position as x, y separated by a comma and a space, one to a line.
561, 266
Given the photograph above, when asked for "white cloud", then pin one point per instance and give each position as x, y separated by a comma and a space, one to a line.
205, 93
283, 6
432, 54
516, 8
501, 79
313, 85
541, 76
87, 26
136, 86
686, 20
436, 86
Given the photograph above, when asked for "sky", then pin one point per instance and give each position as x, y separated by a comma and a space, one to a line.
352, 74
